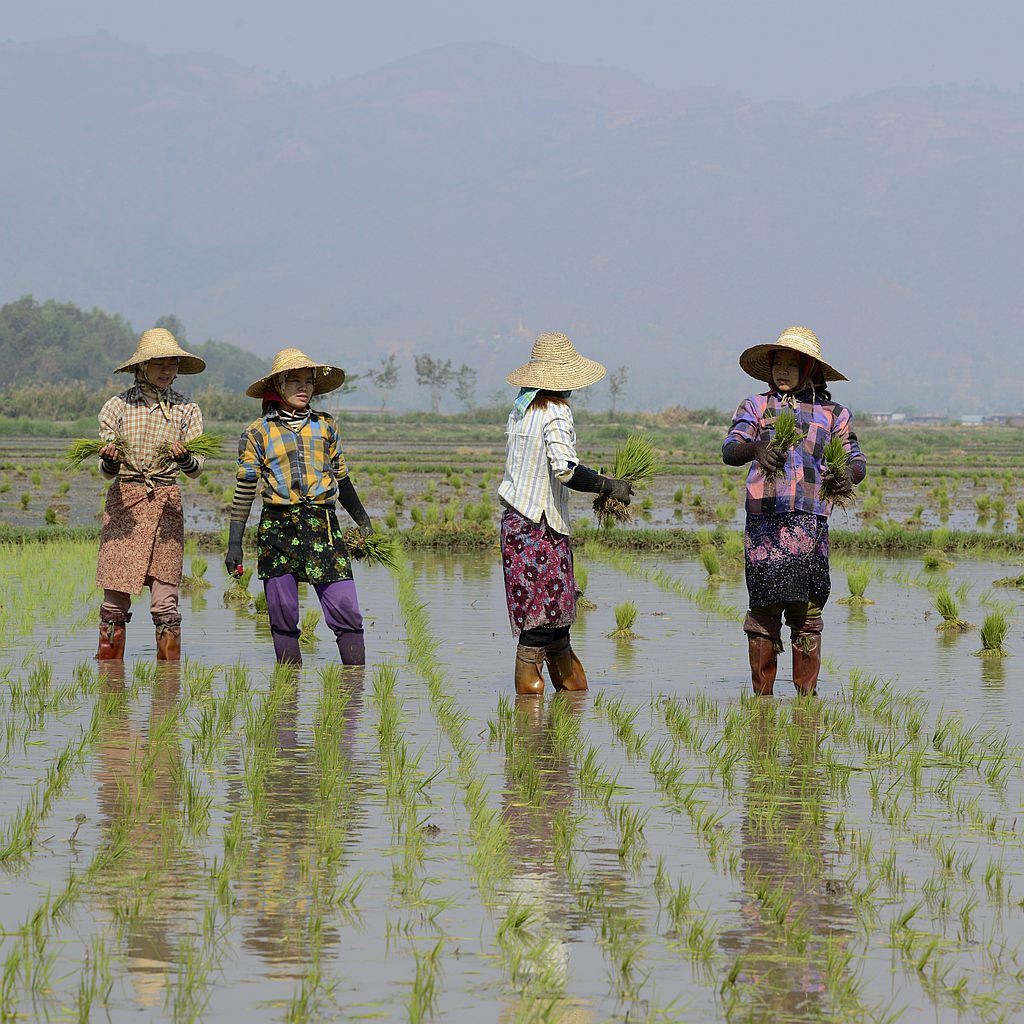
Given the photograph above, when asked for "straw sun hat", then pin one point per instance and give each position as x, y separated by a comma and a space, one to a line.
757, 360
325, 378
555, 365
158, 343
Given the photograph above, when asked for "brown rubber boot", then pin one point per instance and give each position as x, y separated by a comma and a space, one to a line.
764, 663
564, 667
112, 638
168, 638
528, 664
806, 662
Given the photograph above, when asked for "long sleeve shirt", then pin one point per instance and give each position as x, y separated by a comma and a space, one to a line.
144, 425
798, 489
540, 456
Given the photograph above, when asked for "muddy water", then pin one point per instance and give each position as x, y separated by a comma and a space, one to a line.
181, 946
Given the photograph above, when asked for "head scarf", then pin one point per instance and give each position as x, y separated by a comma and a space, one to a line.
151, 392
527, 395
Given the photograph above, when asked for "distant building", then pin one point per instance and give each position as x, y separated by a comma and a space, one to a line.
972, 421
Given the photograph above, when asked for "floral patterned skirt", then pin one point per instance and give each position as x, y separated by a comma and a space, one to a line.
304, 541
787, 558
540, 586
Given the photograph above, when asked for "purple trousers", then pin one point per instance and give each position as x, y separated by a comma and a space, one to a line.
341, 612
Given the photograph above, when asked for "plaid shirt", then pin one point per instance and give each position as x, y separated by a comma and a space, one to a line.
540, 454
145, 427
294, 466
798, 489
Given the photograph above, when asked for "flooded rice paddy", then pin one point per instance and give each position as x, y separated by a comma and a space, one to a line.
220, 841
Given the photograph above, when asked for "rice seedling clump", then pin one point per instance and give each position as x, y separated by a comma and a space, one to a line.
625, 617
377, 549
835, 481
947, 607
785, 437
83, 448
857, 581
993, 636
635, 463
204, 445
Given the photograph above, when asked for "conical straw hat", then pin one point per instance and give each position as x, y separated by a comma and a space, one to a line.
555, 365
325, 378
757, 360
158, 343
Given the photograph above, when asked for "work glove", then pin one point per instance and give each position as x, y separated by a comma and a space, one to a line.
591, 482
233, 559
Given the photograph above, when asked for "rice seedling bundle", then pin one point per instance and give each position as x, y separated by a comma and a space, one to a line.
1010, 581
625, 616
582, 579
204, 446
197, 579
236, 594
993, 636
712, 564
635, 463
835, 483
785, 437
307, 628
857, 582
935, 559
83, 448
947, 607
377, 549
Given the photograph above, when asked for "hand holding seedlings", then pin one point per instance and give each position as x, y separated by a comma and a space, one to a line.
785, 437
768, 458
837, 479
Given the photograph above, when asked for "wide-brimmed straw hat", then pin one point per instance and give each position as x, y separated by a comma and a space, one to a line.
555, 365
159, 343
325, 378
757, 360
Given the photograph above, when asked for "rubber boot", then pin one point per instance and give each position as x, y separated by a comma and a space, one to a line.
806, 662
528, 664
168, 638
352, 648
286, 647
112, 638
564, 667
764, 663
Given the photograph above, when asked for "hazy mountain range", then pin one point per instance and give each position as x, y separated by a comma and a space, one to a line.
460, 200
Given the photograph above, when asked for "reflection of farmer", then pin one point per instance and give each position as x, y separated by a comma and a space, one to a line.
143, 528
784, 985
295, 453
145, 800
540, 466
284, 863
786, 536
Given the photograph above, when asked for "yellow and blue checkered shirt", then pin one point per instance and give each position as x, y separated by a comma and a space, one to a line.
293, 466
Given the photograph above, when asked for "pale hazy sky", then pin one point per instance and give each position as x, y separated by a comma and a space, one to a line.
807, 50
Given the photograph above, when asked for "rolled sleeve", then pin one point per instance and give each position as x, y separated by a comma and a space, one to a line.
110, 427
560, 442
250, 456
193, 428
746, 423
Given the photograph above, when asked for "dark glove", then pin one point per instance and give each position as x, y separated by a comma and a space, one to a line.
233, 559
110, 466
349, 501
739, 453
585, 479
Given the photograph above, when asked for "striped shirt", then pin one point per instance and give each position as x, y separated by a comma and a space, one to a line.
293, 466
540, 455
798, 489
142, 423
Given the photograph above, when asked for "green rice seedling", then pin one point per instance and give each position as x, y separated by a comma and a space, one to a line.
857, 582
940, 538
426, 984
712, 564
83, 448
1010, 581
260, 603
204, 446
993, 636
635, 463
196, 580
934, 560
835, 481
377, 549
732, 552
25, 499
677, 498
583, 603
391, 521
236, 594
625, 617
785, 437
947, 607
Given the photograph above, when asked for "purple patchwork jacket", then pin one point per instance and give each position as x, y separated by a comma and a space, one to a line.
798, 489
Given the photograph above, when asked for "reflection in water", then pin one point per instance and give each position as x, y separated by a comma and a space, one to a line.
790, 908
536, 882
137, 772
285, 862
